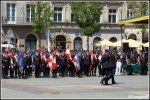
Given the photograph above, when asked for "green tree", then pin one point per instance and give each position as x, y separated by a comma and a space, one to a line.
139, 9
86, 15
42, 13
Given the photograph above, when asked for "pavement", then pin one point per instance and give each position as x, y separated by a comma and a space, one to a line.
129, 87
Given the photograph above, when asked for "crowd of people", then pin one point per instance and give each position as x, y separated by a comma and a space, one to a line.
44, 63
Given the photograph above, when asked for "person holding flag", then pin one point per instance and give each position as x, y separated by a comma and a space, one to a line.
77, 63
21, 64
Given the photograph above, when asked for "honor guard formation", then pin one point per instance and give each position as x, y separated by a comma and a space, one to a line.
42, 63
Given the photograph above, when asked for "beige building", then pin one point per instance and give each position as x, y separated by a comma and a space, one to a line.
17, 16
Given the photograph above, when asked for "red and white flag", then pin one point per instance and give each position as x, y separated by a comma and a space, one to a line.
9, 51
68, 52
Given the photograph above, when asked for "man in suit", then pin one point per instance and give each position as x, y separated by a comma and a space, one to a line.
105, 66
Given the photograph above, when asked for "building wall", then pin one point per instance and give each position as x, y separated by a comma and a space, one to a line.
22, 28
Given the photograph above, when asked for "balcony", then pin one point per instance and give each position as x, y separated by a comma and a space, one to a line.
16, 20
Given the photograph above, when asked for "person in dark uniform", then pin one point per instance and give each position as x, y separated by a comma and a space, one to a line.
54, 72
47, 69
79, 70
113, 59
6, 65
26, 65
96, 63
57, 62
143, 60
44, 64
29, 70
37, 63
16, 66
133, 59
63, 63
82, 63
11, 69
105, 66
123, 61
87, 61
72, 67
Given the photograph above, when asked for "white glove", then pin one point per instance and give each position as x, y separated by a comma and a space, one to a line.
9, 66
3, 66
30, 65
27, 66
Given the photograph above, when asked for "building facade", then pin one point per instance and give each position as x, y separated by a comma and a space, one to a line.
17, 16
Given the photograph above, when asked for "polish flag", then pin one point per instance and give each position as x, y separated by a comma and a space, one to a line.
56, 50
54, 65
9, 51
42, 53
49, 60
68, 52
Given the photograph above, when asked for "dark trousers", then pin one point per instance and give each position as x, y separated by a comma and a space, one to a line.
87, 68
100, 70
72, 67
143, 70
112, 72
106, 74
54, 73
5, 71
58, 70
94, 69
63, 67
37, 70
16, 70
44, 70
25, 71
11, 72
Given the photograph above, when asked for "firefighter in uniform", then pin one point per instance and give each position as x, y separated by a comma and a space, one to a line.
37, 63
72, 67
105, 67
113, 59
26, 65
63, 63
6, 65
87, 61
96, 63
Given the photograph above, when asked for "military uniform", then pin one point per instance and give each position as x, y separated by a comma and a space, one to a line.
16, 66
96, 63
143, 61
113, 59
105, 66
87, 61
133, 59
37, 63
72, 67
26, 65
62, 63
6, 65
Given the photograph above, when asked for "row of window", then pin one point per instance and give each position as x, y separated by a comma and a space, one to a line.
58, 14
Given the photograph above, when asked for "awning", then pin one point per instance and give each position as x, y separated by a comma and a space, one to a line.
136, 19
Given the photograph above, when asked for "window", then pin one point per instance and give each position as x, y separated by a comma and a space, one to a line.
112, 15
129, 14
98, 20
72, 17
58, 14
29, 15
11, 12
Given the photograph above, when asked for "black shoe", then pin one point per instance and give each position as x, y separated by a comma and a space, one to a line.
113, 81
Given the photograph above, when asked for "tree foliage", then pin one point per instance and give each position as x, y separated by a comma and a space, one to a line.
139, 9
42, 13
86, 15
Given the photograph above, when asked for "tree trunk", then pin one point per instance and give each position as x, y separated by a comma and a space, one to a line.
88, 43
